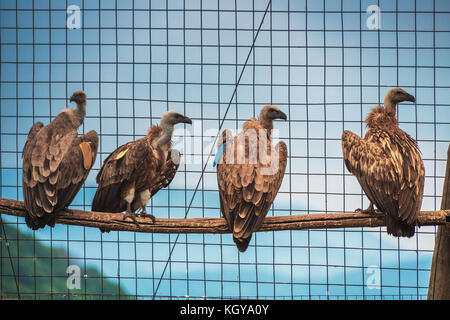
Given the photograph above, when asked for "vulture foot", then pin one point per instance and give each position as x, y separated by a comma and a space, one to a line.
369, 210
144, 214
132, 216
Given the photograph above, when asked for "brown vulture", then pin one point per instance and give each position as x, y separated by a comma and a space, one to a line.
137, 170
249, 173
56, 162
388, 166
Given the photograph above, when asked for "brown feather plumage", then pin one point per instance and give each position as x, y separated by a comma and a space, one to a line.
53, 167
246, 192
389, 168
139, 165
137, 169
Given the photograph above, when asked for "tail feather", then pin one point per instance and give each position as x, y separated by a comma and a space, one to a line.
107, 199
241, 243
36, 223
36, 218
399, 228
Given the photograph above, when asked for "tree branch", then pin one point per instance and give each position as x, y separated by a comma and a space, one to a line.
115, 222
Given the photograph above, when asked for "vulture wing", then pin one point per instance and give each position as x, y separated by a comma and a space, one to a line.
390, 170
54, 168
76, 165
171, 168
28, 147
248, 188
27, 179
119, 168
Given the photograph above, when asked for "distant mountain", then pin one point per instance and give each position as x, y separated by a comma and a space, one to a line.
46, 276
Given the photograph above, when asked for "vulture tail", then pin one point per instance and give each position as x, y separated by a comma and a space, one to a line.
96, 202
242, 244
36, 223
97, 206
399, 228
35, 217
107, 199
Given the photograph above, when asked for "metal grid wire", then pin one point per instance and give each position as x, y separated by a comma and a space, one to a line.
219, 62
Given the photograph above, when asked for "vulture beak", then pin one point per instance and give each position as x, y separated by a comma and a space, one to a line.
410, 97
72, 98
186, 120
281, 115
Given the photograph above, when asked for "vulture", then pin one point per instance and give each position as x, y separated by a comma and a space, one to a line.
249, 173
388, 165
137, 170
56, 162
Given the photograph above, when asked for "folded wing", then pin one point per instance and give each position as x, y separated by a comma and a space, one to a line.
56, 162
247, 189
389, 170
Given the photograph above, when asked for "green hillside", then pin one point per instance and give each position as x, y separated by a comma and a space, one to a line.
45, 277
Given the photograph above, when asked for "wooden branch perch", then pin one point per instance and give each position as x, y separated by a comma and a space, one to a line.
115, 222
439, 285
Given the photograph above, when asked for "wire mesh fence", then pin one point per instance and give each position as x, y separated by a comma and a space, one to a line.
324, 63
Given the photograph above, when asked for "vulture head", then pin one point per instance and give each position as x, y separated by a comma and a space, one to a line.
79, 97
168, 121
270, 113
171, 118
395, 96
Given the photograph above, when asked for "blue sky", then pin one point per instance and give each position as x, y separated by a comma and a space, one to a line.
147, 57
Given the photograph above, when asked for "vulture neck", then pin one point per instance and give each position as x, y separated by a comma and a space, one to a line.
81, 112
266, 123
77, 115
166, 135
389, 105
381, 118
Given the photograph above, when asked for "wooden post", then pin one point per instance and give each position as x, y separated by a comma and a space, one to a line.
439, 286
